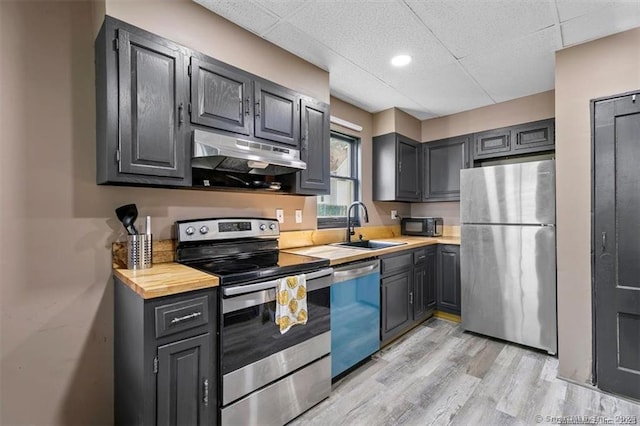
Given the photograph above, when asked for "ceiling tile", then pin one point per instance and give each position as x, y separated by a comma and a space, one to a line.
301, 44
352, 84
569, 9
519, 68
369, 33
282, 8
244, 13
603, 22
466, 27
445, 90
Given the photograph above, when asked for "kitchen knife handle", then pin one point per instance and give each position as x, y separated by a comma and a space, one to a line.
604, 241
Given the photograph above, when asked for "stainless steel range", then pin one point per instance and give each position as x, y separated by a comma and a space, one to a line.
266, 377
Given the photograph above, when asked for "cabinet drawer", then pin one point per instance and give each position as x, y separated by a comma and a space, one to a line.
390, 264
419, 256
179, 316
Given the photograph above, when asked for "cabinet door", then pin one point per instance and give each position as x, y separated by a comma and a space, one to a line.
419, 292
408, 188
277, 114
314, 149
442, 162
151, 93
396, 308
493, 143
184, 382
431, 276
534, 137
448, 292
221, 97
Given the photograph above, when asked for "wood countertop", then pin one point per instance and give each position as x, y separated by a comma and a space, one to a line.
164, 279
338, 255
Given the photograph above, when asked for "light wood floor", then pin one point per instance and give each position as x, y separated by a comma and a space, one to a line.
438, 374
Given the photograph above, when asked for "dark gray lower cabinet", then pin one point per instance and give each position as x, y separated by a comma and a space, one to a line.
448, 291
407, 288
165, 358
396, 305
185, 382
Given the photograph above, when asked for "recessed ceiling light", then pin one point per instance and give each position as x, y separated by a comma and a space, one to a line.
400, 60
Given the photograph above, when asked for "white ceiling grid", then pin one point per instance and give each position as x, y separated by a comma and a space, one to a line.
466, 53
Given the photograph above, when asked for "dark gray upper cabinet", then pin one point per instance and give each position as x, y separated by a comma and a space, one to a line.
534, 137
221, 97
277, 113
448, 291
442, 162
396, 165
314, 150
520, 139
141, 106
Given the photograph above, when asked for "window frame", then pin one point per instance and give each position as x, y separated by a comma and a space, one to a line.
341, 221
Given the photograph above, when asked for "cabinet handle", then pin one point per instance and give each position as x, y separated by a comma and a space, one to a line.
604, 241
205, 398
186, 317
411, 298
421, 257
258, 108
246, 107
399, 166
181, 113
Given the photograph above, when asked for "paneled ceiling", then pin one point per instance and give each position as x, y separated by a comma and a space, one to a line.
466, 53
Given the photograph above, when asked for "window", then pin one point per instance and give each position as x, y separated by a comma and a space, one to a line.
345, 185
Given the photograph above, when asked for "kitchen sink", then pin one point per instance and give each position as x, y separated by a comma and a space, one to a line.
368, 244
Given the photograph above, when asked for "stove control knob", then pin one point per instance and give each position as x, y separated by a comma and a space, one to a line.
204, 229
190, 230
272, 226
263, 227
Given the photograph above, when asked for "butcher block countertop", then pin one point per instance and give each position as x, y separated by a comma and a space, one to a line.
164, 279
338, 255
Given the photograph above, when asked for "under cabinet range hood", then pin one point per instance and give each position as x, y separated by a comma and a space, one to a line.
224, 153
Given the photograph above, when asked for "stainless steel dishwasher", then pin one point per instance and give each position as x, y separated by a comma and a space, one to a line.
355, 314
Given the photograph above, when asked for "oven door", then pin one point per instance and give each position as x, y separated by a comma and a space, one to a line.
253, 353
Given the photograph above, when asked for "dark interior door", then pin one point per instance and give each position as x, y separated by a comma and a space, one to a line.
616, 247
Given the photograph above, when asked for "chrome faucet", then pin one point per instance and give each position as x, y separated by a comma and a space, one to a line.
350, 230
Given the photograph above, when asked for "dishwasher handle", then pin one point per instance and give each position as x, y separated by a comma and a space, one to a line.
356, 270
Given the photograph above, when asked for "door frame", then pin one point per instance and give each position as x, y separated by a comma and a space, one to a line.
592, 110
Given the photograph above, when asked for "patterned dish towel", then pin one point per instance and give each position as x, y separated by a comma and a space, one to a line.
291, 298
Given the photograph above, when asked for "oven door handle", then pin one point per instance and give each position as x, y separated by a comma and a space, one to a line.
267, 285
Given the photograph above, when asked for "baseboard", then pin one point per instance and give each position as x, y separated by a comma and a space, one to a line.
447, 316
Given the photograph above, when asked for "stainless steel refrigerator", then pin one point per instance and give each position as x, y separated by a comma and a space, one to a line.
508, 252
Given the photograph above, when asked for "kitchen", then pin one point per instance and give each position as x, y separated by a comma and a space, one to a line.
58, 207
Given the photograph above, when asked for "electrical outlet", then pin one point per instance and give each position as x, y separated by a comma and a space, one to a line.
394, 214
298, 216
280, 215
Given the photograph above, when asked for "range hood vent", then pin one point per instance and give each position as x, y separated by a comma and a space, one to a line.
224, 153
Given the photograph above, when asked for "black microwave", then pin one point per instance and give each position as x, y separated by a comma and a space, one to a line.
422, 226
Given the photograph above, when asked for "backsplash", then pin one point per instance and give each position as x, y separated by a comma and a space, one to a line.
449, 211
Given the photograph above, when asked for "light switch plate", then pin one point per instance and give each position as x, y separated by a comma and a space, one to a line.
394, 214
298, 216
280, 215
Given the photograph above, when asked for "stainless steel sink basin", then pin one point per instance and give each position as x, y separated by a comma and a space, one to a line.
368, 244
